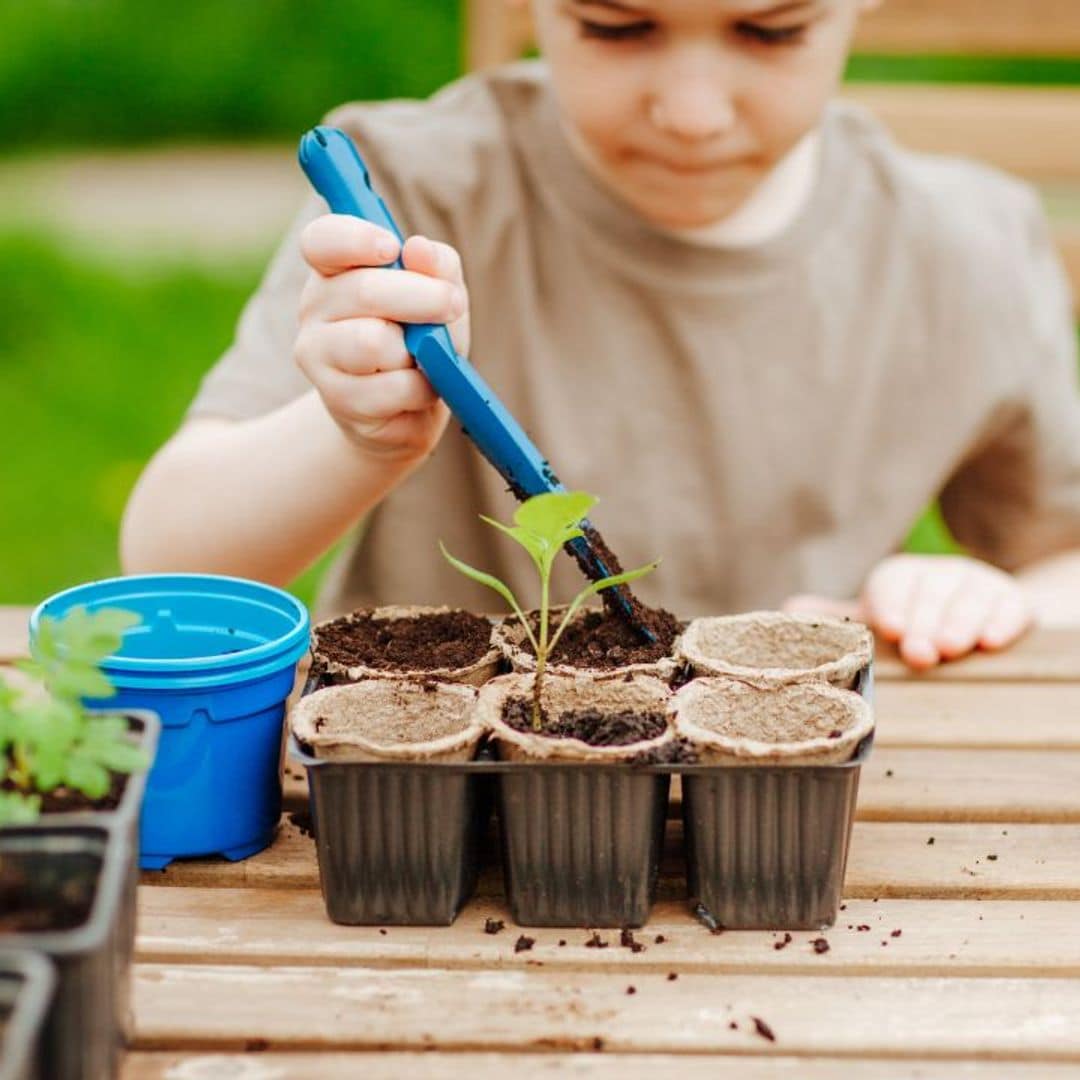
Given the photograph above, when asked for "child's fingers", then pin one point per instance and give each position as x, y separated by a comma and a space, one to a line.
336, 242
355, 346
966, 616
433, 258
375, 397
1010, 618
932, 595
399, 295
887, 596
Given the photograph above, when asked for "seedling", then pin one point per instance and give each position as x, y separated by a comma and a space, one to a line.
542, 525
47, 739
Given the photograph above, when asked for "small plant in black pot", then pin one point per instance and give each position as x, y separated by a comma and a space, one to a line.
71, 783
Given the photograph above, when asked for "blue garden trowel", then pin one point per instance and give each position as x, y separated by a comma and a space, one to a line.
339, 175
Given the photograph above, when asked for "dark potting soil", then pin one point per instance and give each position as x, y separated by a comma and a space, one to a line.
591, 726
68, 801
451, 639
22, 909
600, 639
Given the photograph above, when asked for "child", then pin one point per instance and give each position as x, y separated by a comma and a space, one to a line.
762, 332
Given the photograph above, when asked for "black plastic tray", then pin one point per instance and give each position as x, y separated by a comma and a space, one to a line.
27, 981
124, 823
82, 1037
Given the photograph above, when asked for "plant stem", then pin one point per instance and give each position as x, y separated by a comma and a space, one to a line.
541, 656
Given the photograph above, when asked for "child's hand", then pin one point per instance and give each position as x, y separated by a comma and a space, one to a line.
935, 607
350, 344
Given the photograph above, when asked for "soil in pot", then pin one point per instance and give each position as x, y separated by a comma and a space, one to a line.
731, 722
27, 909
770, 648
402, 720
451, 644
595, 727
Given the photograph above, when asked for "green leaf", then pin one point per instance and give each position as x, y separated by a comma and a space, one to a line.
489, 580
18, 809
553, 513
87, 776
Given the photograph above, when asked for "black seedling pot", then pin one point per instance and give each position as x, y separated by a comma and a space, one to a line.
27, 981
83, 1031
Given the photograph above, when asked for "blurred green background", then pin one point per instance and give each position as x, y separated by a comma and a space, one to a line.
102, 338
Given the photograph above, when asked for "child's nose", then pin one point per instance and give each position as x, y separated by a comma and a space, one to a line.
693, 100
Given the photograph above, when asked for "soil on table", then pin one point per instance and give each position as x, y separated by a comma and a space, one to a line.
24, 908
452, 639
600, 639
591, 726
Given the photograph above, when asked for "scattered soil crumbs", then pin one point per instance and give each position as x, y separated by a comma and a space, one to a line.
896, 933
783, 942
862, 927
562, 943
672, 976
820, 945
660, 939
888, 772
493, 926
930, 841
763, 1029
600, 639
591, 726
992, 858
450, 639
626, 940
524, 944
631, 989
733, 1026
596, 942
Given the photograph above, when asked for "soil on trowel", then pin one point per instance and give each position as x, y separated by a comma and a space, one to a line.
616, 600
452, 639
591, 726
600, 639
28, 909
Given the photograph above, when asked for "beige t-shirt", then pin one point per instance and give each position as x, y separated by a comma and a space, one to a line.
769, 419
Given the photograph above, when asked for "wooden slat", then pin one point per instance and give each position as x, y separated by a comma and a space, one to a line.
977, 716
1043, 655
436, 1066
886, 859
1028, 130
970, 785
498, 33
938, 938
961, 784
981, 27
199, 1007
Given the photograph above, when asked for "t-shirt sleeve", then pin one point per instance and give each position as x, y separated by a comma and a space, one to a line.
1016, 497
256, 374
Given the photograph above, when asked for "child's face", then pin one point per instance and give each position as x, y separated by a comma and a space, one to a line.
682, 106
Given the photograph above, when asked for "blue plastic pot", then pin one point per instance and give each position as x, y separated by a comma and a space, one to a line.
215, 658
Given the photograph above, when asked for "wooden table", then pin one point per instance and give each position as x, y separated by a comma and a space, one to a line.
967, 842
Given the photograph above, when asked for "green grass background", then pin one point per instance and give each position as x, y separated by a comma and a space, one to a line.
97, 363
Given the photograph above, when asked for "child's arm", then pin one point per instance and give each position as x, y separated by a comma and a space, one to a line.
265, 497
